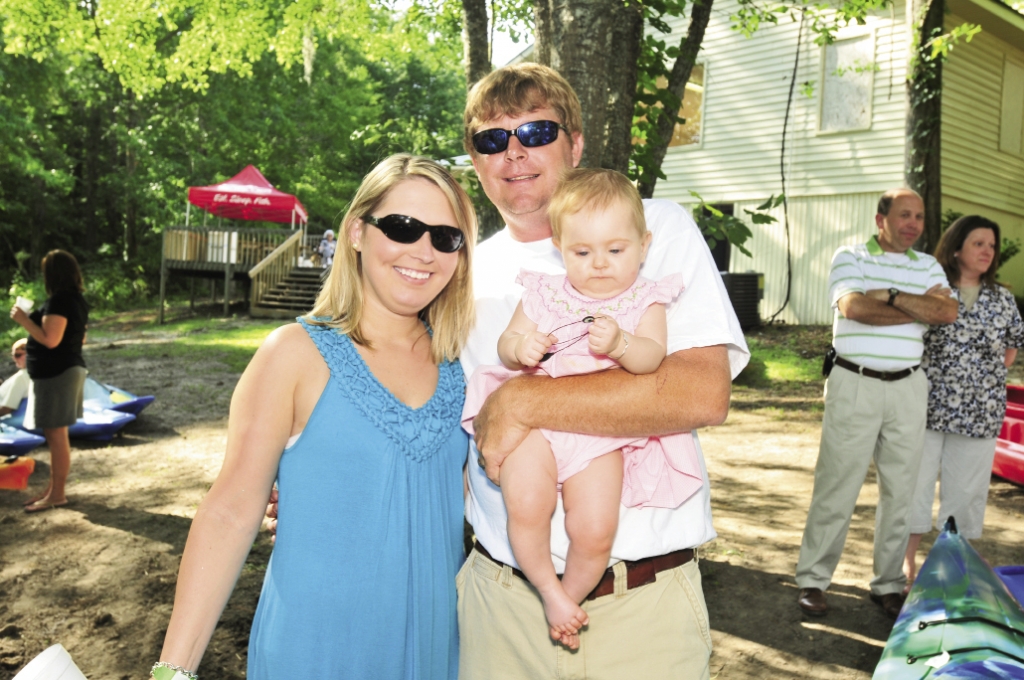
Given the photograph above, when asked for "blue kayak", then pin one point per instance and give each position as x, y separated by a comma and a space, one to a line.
959, 620
97, 424
106, 396
15, 442
1013, 577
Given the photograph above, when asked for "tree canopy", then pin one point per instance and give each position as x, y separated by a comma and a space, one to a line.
110, 110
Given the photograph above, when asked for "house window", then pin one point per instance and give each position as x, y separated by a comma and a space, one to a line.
1011, 125
847, 83
692, 110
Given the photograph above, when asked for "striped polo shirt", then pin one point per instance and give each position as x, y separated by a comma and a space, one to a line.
864, 267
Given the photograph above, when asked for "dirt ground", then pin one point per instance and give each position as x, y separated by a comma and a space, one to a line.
98, 576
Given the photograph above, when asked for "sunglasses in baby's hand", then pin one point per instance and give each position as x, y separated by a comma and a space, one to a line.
565, 344
405, 229
534, 133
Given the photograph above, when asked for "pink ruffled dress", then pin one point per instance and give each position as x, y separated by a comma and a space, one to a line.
657, 471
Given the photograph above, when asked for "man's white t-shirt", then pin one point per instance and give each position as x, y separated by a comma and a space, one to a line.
701, 316
14, 389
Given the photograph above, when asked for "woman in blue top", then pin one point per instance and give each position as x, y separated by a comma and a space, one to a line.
355, 412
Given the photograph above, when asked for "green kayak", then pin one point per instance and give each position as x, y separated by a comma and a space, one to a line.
959, 620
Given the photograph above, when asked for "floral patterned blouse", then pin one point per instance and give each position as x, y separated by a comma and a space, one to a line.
964, 364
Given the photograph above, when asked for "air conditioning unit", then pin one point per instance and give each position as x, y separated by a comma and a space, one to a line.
746, 291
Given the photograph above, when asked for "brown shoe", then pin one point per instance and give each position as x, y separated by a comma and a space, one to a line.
812, 601
891, 603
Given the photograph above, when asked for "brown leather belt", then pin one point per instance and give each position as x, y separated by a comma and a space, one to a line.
638, 573
887, 376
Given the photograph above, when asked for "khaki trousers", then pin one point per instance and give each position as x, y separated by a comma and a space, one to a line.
966, 470
659, 630
865, 419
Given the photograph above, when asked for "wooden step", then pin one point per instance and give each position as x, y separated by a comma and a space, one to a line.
294, 295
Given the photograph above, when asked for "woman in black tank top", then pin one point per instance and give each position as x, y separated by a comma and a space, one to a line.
55, 364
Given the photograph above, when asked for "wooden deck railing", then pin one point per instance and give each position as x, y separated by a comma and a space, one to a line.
214, 248
274, 267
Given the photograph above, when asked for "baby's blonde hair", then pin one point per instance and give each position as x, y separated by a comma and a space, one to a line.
594, 189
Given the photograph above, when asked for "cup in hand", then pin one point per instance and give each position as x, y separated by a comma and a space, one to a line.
24, 304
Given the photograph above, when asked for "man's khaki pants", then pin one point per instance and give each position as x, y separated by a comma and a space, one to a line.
865, 418
659, 631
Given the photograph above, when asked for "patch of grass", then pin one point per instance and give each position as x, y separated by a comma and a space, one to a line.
785, 365
784, 372
774, 363
232, 341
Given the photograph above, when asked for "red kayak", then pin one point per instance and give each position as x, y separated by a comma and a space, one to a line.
1009, 460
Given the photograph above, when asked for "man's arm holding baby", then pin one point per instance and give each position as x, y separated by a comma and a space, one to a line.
690, 389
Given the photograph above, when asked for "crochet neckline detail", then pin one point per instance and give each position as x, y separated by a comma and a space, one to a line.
418, 432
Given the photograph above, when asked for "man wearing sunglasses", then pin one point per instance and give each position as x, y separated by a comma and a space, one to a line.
15, 388
647, 616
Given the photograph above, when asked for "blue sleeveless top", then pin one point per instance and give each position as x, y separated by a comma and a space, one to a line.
361, 583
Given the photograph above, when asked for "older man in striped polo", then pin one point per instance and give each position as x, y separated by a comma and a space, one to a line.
885, 296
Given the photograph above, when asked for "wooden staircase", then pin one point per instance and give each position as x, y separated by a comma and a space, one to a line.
291, 296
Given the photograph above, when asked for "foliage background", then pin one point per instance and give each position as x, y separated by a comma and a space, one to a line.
109, 111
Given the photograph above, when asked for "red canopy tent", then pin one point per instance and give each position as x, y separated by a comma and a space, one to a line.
248, 196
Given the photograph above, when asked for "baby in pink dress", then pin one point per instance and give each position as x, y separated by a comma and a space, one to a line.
600, 315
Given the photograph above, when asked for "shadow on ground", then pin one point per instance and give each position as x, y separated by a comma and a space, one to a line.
854, 630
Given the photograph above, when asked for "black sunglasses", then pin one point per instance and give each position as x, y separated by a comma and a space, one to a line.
565, 344
405, 229
534, 133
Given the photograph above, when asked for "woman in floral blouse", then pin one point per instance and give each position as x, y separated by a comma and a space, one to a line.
966, 363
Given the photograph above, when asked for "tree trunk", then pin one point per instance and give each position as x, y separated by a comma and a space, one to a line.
627, 35
474, 40
131, 164
700, 13
38, 228
578, 44
542, 32
922, 166
91, 179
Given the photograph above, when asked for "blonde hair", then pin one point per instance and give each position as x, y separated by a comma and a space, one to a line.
517, 89
594, 189
450, 315
21, 342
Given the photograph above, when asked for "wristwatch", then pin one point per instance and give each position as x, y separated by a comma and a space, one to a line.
893, 292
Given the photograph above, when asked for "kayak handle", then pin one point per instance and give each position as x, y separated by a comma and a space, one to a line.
970, 619
911, 658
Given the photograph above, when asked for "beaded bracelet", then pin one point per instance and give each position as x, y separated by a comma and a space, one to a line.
625, 341
168, 671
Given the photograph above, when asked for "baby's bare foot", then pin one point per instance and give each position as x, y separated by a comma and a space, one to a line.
565, 637
571, 641
564, 616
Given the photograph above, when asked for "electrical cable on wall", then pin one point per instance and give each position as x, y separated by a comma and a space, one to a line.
782, 171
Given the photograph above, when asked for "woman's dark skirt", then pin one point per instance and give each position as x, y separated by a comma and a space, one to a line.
57, 401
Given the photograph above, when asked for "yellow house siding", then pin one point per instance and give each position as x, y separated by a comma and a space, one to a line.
973, 168
978, 178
